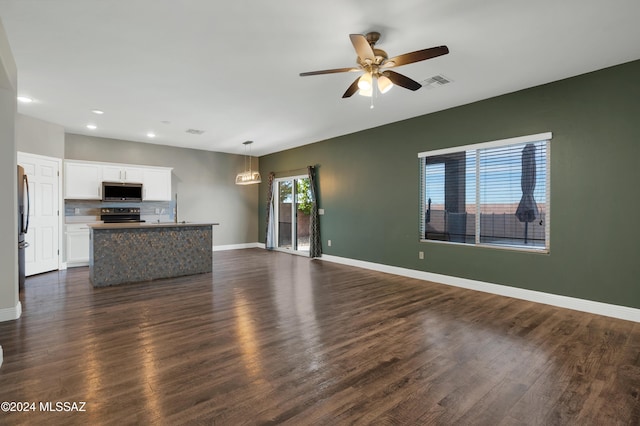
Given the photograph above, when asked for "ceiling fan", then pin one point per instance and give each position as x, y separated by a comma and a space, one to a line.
375, 63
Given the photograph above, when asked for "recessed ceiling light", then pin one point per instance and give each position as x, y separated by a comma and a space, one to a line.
25, 99
151, 135
92, 126
97, 111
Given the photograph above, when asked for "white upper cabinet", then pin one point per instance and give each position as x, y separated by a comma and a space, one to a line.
156, 185
117, 173
82, 180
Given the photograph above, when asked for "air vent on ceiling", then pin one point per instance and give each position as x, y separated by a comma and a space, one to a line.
195, 131
436, 81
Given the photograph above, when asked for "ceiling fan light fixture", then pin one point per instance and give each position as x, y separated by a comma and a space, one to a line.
368, 92
365, 82
384, 84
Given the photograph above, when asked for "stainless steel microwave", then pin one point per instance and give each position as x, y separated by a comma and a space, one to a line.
119, 191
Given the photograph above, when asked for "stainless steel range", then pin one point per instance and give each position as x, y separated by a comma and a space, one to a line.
120, 214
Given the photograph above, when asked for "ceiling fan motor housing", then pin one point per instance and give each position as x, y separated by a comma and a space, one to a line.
372, 37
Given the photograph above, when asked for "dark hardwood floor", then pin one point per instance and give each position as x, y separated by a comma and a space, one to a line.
271, 338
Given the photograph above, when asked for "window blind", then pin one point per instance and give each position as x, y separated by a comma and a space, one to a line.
494, 193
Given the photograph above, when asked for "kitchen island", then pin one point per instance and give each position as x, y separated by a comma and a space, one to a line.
131, 252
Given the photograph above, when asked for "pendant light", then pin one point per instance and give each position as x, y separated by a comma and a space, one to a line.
249, 176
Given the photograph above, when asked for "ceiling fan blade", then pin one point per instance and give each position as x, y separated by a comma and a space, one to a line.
402, 81
333, 71
352, 89
362, 46
417, 56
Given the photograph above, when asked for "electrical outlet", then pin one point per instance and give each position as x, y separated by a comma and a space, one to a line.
76, 211
157, 211
420, 255
320, 211
329, 243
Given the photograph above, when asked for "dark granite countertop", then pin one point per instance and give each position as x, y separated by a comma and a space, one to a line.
137, 225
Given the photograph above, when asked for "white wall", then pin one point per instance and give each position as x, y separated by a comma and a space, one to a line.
203, 180
9, 303
36, 136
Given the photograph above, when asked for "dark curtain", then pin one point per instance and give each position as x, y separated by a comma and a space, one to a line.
315, 243
271, 226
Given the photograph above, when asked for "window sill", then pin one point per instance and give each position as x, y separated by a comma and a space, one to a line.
515, 248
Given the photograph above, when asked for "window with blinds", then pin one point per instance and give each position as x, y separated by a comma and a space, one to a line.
494, 193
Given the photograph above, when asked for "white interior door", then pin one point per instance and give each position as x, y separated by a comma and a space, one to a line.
43, 236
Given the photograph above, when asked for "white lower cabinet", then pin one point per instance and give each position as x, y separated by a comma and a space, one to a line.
77, 239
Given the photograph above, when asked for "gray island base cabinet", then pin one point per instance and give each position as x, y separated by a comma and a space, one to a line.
133, 252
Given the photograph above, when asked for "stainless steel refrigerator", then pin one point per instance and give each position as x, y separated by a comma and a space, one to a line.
23, 222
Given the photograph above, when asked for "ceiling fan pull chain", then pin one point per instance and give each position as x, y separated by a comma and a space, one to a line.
374, 92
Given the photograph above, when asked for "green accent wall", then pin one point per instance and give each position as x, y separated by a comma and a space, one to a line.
368, 186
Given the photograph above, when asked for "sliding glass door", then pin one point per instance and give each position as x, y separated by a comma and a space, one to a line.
292, 211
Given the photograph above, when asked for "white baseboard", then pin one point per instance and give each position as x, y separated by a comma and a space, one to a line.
76, 264
606, 309
236, 246
9, 314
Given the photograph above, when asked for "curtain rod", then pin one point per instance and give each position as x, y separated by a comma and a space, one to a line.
291, 171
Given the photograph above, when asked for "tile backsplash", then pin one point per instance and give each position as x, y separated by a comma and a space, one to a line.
89, 210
